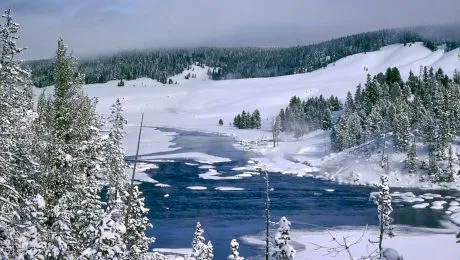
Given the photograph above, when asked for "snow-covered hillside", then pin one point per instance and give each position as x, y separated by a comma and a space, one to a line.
198, 104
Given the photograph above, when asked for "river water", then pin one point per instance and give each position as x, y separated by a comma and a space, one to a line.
307, 202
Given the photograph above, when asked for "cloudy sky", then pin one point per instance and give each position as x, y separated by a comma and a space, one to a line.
92, 27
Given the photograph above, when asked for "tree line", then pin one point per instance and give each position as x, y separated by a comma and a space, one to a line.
248, 120
301, 117
227, 63
423, 111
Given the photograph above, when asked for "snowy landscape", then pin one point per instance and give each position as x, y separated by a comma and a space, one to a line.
197, 105
354, 154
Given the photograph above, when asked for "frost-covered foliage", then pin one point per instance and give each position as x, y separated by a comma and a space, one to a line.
282, 250
234, 255
61, 239
300, 117
200, 250
115, 174
109, 242
21, 205
424, 111
248, 120
384, 208
52, 165
135, 238
276, 129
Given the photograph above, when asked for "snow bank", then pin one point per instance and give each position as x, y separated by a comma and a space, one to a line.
214, 175
411, 243
199, 157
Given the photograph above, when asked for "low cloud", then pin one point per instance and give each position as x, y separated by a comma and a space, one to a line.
97, 27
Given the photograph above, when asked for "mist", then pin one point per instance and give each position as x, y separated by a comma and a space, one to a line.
100, 27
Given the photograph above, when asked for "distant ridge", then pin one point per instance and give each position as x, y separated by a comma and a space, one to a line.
246, 62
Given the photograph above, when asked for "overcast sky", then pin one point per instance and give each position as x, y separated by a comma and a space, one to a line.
93, 27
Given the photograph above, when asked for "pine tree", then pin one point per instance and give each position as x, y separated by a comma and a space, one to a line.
114, 157
327, 121
61, 241
109, 242
401, 126
201, 251
234, 255
19, 175
209, 251
282, 250
384, 208
257, 121
411, 160
135, 238
450, 174
71, 152
276, 129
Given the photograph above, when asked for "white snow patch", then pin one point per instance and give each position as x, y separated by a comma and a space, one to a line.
223, 188
420, 206
454, 203
244, 175
453, 208
191, 164
212, 174
455, 218
438, 205
197, 156
162, 185
197, 188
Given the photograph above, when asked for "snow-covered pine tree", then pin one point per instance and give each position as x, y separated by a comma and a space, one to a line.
327, 121
411, 161
109, 242
71, 152
209, 251
136, 240
282, 250
19, 214
450, 174
234, 254
401, 126
61, 240
256, 120
200, 250
114, 158
276, 130
384, 208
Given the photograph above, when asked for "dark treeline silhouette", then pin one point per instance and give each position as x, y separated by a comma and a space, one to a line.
227, 63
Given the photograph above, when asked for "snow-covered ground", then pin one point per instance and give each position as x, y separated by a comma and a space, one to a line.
198, 104
411, 243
